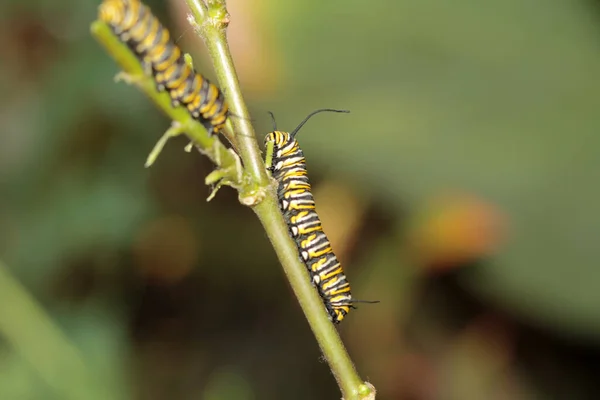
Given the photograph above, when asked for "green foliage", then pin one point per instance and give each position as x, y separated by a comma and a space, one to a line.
497, 99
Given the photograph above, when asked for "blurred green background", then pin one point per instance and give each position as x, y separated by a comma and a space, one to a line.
461, 192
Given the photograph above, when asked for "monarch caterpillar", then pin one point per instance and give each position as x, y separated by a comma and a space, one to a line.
140, 30
285, 160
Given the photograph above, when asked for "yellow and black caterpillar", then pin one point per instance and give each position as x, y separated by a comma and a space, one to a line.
285, 160
136, 26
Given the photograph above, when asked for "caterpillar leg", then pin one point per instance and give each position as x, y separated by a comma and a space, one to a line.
220, 177
214, 176
238, 168
188, 60
128, 78
175, 130
134, 79
214, 191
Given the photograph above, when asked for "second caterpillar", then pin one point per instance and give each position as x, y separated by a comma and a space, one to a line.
285, 160
142, 32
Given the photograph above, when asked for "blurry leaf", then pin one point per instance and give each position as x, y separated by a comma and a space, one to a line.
36, 338
101, 334
18, 380
78, 214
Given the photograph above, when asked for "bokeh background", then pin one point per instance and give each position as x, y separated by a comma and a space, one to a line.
462, 191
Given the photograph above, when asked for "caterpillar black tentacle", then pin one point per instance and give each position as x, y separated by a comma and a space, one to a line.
285, 160
136, 26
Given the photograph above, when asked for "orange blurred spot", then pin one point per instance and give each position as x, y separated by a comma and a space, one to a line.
341, 213
456, 229
165, 249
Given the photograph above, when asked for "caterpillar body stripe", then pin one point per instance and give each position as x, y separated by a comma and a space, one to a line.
285, 160
150, 41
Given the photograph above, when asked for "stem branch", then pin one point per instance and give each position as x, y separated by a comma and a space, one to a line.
133, 73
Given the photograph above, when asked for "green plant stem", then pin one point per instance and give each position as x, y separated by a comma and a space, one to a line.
327, 336
36, 338
211, 21
133, 72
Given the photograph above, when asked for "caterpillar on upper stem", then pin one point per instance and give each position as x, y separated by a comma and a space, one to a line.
150, 41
